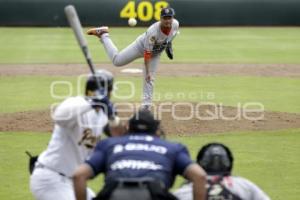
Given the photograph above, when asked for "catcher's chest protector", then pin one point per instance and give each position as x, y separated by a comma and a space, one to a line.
217, 191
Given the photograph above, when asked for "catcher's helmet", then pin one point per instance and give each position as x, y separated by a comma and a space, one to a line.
143, 122
167, 12
215, 159
105, 81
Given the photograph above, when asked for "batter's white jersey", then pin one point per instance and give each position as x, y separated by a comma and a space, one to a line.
239, 186
153, 40
77, 129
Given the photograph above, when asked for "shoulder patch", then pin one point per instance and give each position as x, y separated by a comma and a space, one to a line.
152, 40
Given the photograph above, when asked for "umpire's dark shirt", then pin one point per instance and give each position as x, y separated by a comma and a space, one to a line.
139, 155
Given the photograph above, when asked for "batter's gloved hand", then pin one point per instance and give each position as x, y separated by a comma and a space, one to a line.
169, 50
115, 127
102, 102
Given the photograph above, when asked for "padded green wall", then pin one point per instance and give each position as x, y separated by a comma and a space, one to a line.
189, 12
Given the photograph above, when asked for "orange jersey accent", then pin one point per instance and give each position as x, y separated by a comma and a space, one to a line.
147, 55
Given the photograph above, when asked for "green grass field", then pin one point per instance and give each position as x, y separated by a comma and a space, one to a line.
276, 94
270, 158
193, 45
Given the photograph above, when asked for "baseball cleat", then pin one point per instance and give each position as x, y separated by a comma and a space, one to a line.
97, 31
145, 107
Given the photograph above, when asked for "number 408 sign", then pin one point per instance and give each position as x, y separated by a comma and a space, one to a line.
144, 10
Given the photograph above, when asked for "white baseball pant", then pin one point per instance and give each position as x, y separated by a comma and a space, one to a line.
46, 184
127, 55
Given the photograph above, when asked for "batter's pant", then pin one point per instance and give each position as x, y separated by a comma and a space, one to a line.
46, 184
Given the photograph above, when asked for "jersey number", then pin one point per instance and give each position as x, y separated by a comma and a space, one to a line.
88, 139
144, 10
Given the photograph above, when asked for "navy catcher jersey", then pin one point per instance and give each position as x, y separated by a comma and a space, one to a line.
139, 155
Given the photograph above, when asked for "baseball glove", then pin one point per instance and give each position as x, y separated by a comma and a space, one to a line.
169, 50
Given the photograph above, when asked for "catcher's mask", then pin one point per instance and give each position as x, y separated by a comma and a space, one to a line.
143, 122
215, 159
105, 81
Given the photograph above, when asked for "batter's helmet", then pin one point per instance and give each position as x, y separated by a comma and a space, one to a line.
105, 81
167, 12
143, 122
215, 159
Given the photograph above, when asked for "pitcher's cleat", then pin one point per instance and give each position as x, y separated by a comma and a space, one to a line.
145, 107
98, 31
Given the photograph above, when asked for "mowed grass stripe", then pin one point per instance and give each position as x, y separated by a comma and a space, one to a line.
25, 93
192, 45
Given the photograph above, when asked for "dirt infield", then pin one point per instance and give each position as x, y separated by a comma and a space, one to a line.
40, 121
273, 70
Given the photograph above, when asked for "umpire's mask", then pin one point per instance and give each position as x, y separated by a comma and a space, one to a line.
215, 159
143, 122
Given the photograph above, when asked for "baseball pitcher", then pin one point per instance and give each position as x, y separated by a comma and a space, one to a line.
149, 45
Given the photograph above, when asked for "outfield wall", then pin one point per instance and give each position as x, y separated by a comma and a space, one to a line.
116, 12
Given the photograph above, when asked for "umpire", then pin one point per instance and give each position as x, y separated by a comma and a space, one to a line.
139, 164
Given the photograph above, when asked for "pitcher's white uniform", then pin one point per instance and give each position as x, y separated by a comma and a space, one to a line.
153, 41
238, 186
77, 128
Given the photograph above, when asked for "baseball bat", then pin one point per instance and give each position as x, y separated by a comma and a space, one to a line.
75, 24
